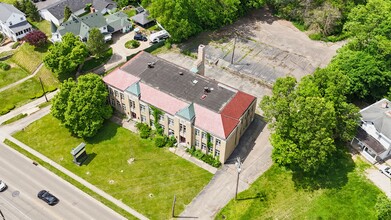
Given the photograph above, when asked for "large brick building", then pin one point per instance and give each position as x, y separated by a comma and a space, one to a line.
192, 104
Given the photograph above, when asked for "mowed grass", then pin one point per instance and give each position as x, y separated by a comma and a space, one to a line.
276, 196
12, 75
43, 26
30, 89
147, 185
8, 1
29, 57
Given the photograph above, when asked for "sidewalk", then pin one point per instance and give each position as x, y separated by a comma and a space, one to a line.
22, 80
28, 108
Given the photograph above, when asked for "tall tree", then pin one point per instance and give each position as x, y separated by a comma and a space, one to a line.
67, 13
96, 44
82, 107
64, 57
306, 119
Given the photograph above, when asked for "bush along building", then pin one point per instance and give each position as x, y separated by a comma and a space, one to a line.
194, 108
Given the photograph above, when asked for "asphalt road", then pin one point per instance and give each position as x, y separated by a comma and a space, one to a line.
25, 180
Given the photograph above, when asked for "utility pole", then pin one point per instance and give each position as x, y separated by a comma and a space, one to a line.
43, 89
173, 207
238, 165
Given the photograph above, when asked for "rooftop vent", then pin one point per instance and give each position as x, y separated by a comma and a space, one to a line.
206, 89
384, 105
181, 73
151, 64
203, 97
195, 81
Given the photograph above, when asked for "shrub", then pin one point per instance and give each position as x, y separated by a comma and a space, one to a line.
132, 44
204, 157
160, 141
15, 45
171, 141
36, 38
144, 129
4, 66
316, 36
7, 109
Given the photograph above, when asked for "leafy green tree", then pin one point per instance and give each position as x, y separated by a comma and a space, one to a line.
383, 208
96, 44
67, 13
369, 76
32, 11
64, 57
306, 121
82, 107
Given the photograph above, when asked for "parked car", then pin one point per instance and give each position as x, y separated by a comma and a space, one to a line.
386, 170
47, 197
139, 36
3, 186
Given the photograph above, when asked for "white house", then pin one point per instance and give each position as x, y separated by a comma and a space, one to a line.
55, 11
13, 22
374, 133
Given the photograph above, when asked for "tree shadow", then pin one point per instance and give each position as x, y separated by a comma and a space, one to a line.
90, 157
43, 48
247, 141
107, 132
335, 175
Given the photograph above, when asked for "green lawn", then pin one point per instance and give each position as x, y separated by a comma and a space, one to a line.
8, 1
29, 57
130, 12
12, 75
30, 89
43, 26
277, 195
93, 63
147, 185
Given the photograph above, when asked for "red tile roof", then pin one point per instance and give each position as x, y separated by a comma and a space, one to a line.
120, 79
238, 105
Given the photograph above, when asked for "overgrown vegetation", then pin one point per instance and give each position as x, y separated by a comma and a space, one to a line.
94, 62
157, 135
132, 44
15, 118
278, 194
204, 157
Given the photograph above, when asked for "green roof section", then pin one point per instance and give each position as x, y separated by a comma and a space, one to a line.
134, 89
187, 113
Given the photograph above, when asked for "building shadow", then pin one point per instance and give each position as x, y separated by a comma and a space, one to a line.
90, 157
247, 141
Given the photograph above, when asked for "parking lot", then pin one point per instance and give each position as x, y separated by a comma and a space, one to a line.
265, 48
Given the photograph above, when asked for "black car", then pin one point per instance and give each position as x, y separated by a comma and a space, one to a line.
47, 197
141, 37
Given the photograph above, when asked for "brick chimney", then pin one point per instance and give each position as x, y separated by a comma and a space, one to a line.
199, 64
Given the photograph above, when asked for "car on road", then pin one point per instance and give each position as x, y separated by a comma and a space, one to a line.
140, 37
386, 170
3, 186
48, 197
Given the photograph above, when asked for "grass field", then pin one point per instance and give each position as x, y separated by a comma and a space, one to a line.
8, 1
94, 62
277, 195
43, 26
30, 89
12, 75
147, 185
28, 57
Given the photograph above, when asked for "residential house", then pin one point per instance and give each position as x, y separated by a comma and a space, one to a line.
13, 22
143, 19
373, 137
55, 11
81, 26
194, 107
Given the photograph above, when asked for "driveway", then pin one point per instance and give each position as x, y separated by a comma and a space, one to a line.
120, 52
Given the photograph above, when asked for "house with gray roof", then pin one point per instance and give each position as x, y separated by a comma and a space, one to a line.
55, 11
13, 22
81, 26
373, 137
143, 19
